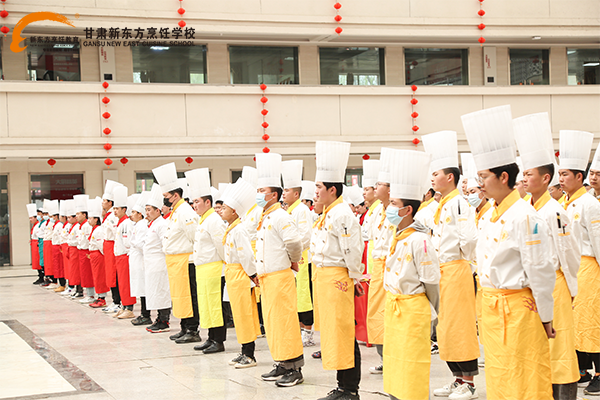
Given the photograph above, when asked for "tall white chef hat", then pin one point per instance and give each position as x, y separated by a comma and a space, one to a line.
469, 168
45, 205
533, 135
308, 190
370, 173
81, 202
156, 198
268, 166
108, 189
131, 201
385, 165
215, 193
291, 171
95, 208
53, 207
240, 196
63, 208
410, 168
520, 174
166, 176
183, 184
354, 195
575, 148
443, 148
596, 160
140, 204
70, 207
222, 188
31, 210
120, 194
332, 160
490, 136
199, 183
250, 175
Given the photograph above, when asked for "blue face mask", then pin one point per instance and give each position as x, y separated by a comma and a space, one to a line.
260, 200
391, 213
46, 217
474, 199
38, 218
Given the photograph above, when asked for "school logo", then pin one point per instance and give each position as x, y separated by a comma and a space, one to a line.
342, 286
529, 303
17, 39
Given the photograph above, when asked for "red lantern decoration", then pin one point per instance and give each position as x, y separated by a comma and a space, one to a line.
265, 125
481, 13
105, 85
337, 6
107, 146
264, 111
105, 100
124, 160
481, 40
265, 137
3, 13
266, 150
415, 128
338, 30
181, 11
413, 101
51, 162
416, 141
481, 26
263, 99
557, 154
189, 160
481, 1
338, 18
366, 157
414, 115
4, 30
254, 158
263, 87
108, 162
181, 24
107, 131
414, 88
106, 115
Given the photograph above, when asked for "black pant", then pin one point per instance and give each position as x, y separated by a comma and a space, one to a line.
191, 323
115, 292
463, 368
348, 379
306, 318
248, 350
586, 360
62, 281
219, 333
163, 315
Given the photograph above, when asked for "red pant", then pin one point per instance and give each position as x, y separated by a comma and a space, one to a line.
97, 261
75, 278
122, 263
35, 255
85, 269
48, 265
109, 263
65, 256
57, 262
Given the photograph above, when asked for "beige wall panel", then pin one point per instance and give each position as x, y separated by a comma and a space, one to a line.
320, 8
123, 63
475, 66
89, 64
574, 9
521, 105
63, 3
444, 9
574, 112
513, 9
502, 66
205, 6
377, 115
147, 115
217, 59
438, 113
308, 64
558, 65
14, 65
56, 114
394, 66
3, 116
18, 193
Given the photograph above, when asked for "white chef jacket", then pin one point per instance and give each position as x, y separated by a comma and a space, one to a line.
413, 263
301, 215
238, 249
512, 253
382, 232
208, 242
181, 229
455, 236
250, 221
425, 216
83, 235
109, 225
136, 258
278, 242
122, 239
35, 233
73, 239
565, 250
338, 242
97, 239
370, 220
156, 278
47, 230
584, 214
56, 231
64, 233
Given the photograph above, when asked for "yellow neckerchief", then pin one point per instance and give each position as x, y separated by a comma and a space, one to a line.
402, 235
443, 201
373, 207
507, 203
180, 202
425, 204
483, 210
580, 192
229, 228
206, 214
542, 201
321, 220
562, 200
251, 208
291, 208
274, 207
527, 197
382, 217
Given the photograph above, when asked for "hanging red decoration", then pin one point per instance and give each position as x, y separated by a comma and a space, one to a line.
414, 101
415, 128
263, 99
414, 88
337, 6
414, 115
481, 40
181, 24
105, 85
366, 157
108, 162
105, 100
338, 30
481, 27
481, 13
416, 141
4, 30
263, 87
106, 115
338, 17
107, 146
266, 150
557, 154
264, 111
265, 137
107, 131
124, 160
3, 13
265, 125
189, 160
51, 162
181, 11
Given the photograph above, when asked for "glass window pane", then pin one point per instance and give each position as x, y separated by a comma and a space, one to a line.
529, 67
55, 187
4, 222
269, 65
354, 176
53, 60
235, 175
145, 180
352, 65
176, 64
440, 67
584, 66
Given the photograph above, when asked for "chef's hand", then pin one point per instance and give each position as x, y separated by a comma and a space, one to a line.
550, 332
359, 291
295, 266
255, 280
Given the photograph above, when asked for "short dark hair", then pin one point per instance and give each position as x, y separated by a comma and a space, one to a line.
209, 197
546, 169
431, 191
578, 171
179, 191
277, 190
86, 214
415, 204
339, 188
511, 169
311, 202
99, 222
219, 202
112, 203
557, 186
455, 172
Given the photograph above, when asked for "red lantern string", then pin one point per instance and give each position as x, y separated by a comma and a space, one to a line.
414, 114
264, 113
4, 14
106, 115
337, 17
416, 141
481, 25
51, 162
181, 11
366, 157
107, 147
124, 160
108, 162
189, 160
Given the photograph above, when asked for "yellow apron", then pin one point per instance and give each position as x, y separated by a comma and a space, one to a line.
303, 285
370, 248
376, 303
586, 307
208, 280
280, 315
256, 289
179, 284
563, 359
335, 289
457, 325
243, 304
316, 325
478, 303
517, 353
406, 346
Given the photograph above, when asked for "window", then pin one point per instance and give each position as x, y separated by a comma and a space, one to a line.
55, 187
584, 66
145, 180
235, 175
268, 65
529, 67
4, 222
53, 60
354, 176
161, 64
352, 65
441, 67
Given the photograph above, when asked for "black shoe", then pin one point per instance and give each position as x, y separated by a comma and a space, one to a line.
316, 354
204, 345
594, 386
277, 372
291, 378
215, 347
158, 326
189, 337
584, 380
141, 320
339, 394
39, 281
177, 335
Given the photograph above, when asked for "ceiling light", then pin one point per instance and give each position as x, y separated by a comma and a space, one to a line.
159, 48
536, 37
591, 64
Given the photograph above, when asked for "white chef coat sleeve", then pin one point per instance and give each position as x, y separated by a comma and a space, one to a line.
189, 223
304, 227
126, 229
217, 231
137, 240
426, 261
467, 229
243, 247
591, 219
569, 252
347, 231
290, 236
99, 236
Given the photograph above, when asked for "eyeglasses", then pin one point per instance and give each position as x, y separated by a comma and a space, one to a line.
481, 179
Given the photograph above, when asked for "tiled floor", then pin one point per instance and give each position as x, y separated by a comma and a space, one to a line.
100, 357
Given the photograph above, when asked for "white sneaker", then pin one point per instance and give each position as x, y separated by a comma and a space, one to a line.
52, 286
113, 308
446, 390
464, 392
307, 338
378, 370
87, 300
67, 292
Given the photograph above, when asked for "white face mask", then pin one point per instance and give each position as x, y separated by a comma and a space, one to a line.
474, 199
